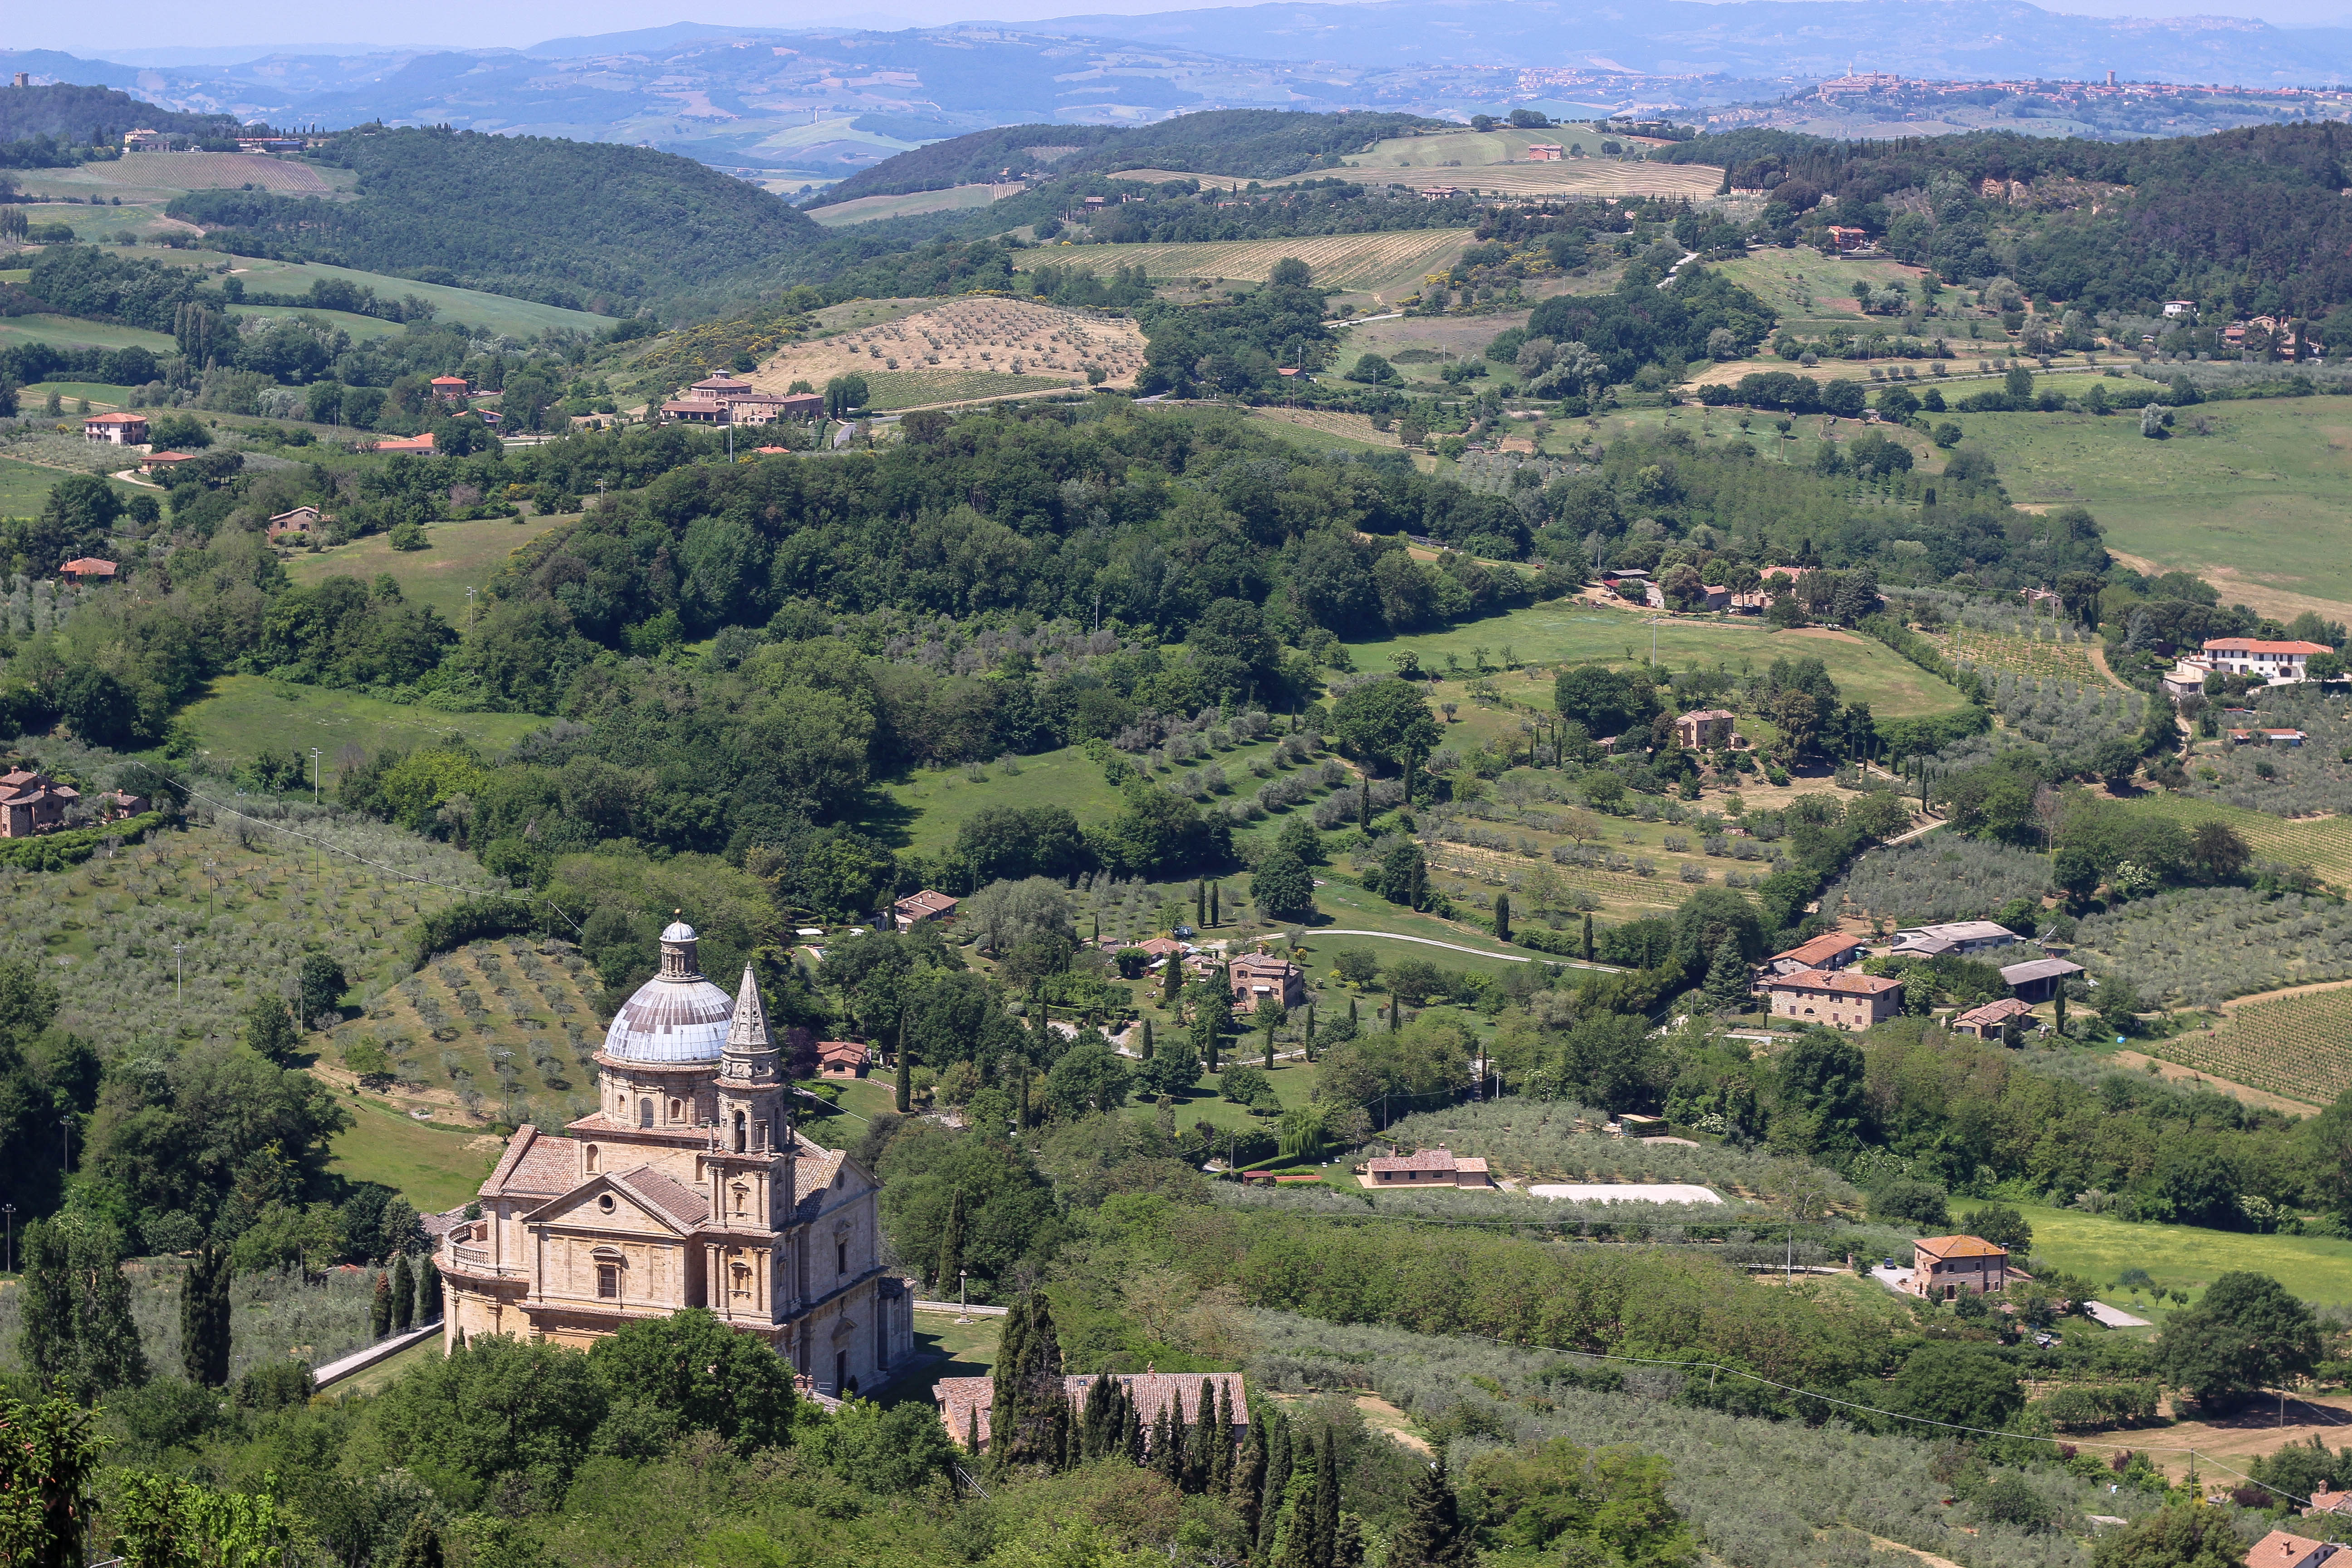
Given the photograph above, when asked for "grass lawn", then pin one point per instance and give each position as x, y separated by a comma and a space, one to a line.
460, 555
970, 1349
1566, 631
432, 1167
389, 1370
2180, 1257
868, 209
361, 328
24, 487
517, 318
243, 715
2256, 506
103, 396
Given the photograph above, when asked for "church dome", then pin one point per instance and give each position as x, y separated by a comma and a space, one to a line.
678, 1016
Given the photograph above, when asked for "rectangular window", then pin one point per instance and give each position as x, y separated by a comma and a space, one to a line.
608, 1281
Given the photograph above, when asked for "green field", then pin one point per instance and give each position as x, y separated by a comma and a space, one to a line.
362, 328
968, 1350
72, 332
1803, 284
868, 209
892, 389
2256, 507
243, 715
431, 1166
103, 396
385, 1372
2183, 1256
521, 318
460, 555
1564, 631
24, 487
1393, 261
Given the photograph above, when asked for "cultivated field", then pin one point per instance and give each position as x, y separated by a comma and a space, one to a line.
868, 209
1801, 284
2294, 1044
163, 173
2044, 658
1338, 431
1567, 631
242, 716
72, 332
965, 349
1495, 162
2255, 505
2322, 843
460, 555
1367, 262
518, 318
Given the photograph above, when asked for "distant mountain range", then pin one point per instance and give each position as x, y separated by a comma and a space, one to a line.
802, 108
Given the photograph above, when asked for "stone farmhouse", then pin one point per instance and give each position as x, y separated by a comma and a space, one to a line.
33, 802
689, 1186
1841, 999
1944, 1268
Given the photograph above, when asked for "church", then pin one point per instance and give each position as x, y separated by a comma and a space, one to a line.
690, 1187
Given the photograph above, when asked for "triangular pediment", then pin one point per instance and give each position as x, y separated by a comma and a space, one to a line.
632, 1211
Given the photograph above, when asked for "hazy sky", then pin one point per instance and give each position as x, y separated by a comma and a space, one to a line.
480, 24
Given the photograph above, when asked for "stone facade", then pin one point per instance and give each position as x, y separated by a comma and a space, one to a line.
687, 1187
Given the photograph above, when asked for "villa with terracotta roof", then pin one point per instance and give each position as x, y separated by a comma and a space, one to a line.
1839, 999
1259, 977
403, 444
1438, 1167
2273, 660
687, 1186
157, 462
964, 1403
88, 569
33, 802
1991, 1021
1944, 1268
916, 908
841, 1058
115, 429
1830, 950
2284, 1549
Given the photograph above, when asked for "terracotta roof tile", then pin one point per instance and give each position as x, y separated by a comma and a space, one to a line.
1959, 1246
665, 1194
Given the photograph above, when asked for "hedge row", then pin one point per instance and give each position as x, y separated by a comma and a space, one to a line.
56, 851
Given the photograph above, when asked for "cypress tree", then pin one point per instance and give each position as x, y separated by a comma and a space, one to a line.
1216, 891
1726, 988
1247, 1485
403, 1295
971, 1429
1221, 1448
1277, 1479
1157, 1455
1324, 1521
1432, 1535
1588, 936
380, 1306
1502, 917
1364, 802
1171, 979
1130, 1430
1021, 1111
2058, 1003
204, 1317
428, 1291
1200, 902
1147, 1040
1348, 1543
77, 1330
1175, 1459
1029, 1412
1352, 1014
903, 1087
1198, 1460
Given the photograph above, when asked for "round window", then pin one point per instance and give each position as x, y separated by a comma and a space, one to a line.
605, 1202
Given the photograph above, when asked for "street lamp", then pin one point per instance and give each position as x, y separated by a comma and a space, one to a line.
963, 1312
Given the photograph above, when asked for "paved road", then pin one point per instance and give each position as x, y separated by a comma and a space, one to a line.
1473, 952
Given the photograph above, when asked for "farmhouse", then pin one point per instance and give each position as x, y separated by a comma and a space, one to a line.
1849, 239
1438, 192
2275, 662
689, 1186
927, 905
145, 140
1438, 1167
301, 520
2281, 1549
1260, 978
1843, 1001
32, 803
115, 429
158, 462
1705, 730
1944, 1267
1830, 950
2038, 979
2174, 309
452, 388
1991, 1021
1546, 152
1960, 937
964, 1404
405, 443
695, 411
88, 569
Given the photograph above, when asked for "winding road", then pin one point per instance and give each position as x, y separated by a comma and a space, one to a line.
1473, 952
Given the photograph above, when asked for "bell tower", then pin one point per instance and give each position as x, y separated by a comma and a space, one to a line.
751, 1078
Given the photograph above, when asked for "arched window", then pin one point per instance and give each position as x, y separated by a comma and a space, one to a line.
592, 1159
742, 1135
677, 1112
644, 1113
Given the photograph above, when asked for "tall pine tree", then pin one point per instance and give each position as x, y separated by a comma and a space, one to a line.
204, 1317
428, 1290
380, 1306
903, 1087
78, 1332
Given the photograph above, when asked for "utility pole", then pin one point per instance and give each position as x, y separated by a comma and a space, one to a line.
212, 884
314, 775
8, 1227
179, 974
65, 1146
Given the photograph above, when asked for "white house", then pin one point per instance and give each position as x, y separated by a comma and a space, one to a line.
1962, 938
2276, 662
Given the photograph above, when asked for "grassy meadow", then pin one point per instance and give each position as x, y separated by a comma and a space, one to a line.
73, 333
458, 556
517, 318
435, 1167
2255, 505
24, 487
2179, 1257
241, 716
868, 209
1392, 263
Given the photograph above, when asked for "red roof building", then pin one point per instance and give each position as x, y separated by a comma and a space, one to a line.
2282, 1549
1438, 1167
1991, 1022
1843, 1001
88, 569
2272, 660
1260, 978
155, 462
1830, 950
405, 443
841, 1058
1944, 1268
455, 387
32, 803
927, 905
115, 429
